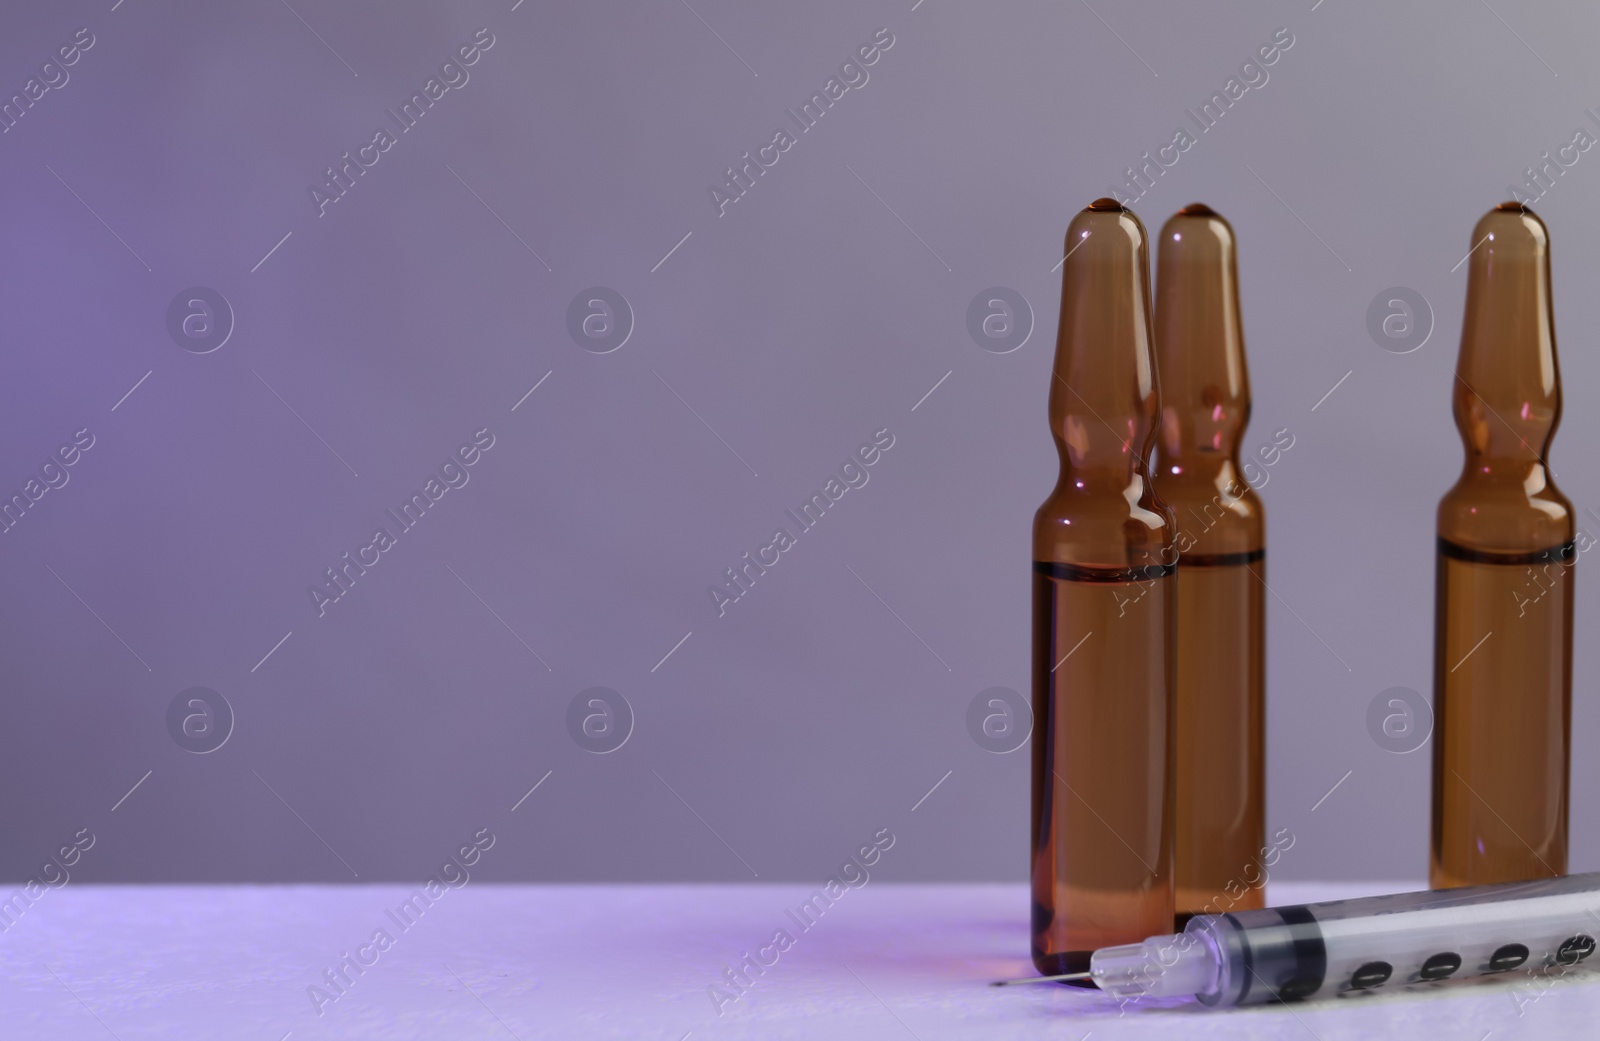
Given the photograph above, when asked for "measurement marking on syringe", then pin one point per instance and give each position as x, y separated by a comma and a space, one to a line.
1281, 1001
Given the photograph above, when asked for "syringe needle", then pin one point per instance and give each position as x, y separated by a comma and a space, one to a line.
1042, 979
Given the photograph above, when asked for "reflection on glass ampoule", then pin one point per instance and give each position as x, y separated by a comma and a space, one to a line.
1502, 673
1218, 746
1103, 578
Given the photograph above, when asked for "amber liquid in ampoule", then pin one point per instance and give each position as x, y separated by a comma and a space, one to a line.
1103, 596
1502, 689
1219, 824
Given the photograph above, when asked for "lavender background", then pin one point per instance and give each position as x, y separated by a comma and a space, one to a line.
821, 307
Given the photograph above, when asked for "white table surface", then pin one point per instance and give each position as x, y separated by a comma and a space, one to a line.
500, 961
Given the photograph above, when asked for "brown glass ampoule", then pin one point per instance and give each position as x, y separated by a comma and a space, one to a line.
1219, 774
1502, 665
1103, 575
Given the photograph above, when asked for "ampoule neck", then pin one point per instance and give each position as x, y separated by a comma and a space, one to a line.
1103, 409
1103, 390
1507, 390
1205, 386
1506, 394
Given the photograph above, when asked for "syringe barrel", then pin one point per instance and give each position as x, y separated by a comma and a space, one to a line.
1320, 950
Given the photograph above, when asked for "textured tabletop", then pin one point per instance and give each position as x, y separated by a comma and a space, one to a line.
501, 961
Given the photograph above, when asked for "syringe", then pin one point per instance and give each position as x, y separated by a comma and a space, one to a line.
1320, 950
